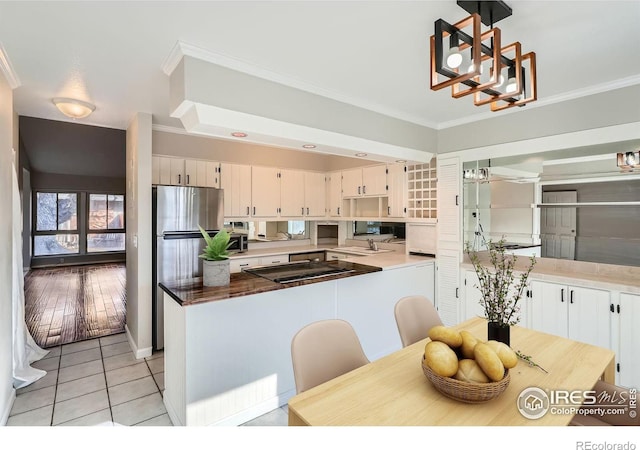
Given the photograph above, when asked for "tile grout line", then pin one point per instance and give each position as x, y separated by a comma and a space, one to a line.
106, 383
55, 392
153, 378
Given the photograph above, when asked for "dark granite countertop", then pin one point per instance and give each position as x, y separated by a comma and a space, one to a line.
191, 291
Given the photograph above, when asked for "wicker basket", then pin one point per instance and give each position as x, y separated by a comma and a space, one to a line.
464, 391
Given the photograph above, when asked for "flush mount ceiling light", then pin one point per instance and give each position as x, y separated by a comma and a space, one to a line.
308, 146
361, 155
629, 161
76, 109
475, 62
239, 134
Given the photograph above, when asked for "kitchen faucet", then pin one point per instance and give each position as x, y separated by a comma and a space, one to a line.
372, 245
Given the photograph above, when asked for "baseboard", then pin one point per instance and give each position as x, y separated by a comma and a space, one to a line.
257, 410
171, 412
7, 409
139, 353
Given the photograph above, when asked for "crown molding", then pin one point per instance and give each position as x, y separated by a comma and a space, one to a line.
571, 95
169, 129
181, 49
7, 69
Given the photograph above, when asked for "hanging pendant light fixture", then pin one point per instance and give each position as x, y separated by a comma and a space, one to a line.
500, 76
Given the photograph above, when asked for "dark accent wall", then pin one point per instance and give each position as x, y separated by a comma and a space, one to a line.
59, 182
607, 234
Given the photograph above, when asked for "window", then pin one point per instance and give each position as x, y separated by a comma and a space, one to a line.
56, 224
106, 213
78, 223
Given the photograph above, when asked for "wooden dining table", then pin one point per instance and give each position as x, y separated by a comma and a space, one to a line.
394, 391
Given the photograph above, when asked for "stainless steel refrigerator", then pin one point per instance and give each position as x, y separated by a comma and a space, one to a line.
177, 212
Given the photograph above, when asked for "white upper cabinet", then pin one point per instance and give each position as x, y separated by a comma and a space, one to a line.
185, 172
374, 180
397, 182
367, 181
315, 194
292, 193
265, 191
334, 203
235, 180
449, 201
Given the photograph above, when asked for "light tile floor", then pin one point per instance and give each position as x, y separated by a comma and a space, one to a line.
99, 382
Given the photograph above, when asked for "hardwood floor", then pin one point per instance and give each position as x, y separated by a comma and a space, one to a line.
75, 303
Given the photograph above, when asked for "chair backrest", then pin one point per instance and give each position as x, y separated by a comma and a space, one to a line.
324, 350
415, 315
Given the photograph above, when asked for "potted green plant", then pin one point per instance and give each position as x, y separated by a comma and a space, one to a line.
215, 267
501, 289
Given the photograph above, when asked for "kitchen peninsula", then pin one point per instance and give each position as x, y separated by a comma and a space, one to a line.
227, 349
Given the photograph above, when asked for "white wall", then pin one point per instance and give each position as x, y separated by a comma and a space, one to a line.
139, 239
7, 392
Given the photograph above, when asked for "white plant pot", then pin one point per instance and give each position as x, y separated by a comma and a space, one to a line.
215, 273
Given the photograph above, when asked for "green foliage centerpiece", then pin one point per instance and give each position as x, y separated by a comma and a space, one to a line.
501, 289
215, 267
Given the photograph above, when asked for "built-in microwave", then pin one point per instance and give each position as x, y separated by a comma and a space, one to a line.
239, 243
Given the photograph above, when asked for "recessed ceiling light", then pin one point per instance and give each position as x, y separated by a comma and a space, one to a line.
361, 155
308, 146
238, 134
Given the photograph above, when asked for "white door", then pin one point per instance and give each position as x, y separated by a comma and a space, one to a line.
549, 308
472, 296
374, 180
177, 171
629, 340
558, 225
589, 316
352, 183
449, 203
315, 194
191, 173
265, 191
292, 193
448, 286
397, 179
335, 194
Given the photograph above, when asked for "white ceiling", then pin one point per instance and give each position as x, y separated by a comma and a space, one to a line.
370, 53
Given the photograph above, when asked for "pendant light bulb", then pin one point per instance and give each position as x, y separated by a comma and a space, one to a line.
512, 85
454, 58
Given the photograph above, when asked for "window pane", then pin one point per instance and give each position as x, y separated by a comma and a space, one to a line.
59, 244
97, 212
46, 211
105, 242
67, 211
116, 212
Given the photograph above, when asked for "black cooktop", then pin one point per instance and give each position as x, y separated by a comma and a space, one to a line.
296, 271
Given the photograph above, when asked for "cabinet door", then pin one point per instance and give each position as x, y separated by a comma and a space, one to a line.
549, 308
265, 191
472, 296
235, 180
448, 285
275, 259
335, 194
177, 171
589, 316
165, 170
191, 172
209, 174
449, 200
334, 256
292, 202
314, 194
352, 183
397, 179
374, 180
629, 317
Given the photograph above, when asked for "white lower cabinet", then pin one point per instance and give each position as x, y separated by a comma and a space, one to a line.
628, 315
448, 298
237, 264
578, 313
333, 256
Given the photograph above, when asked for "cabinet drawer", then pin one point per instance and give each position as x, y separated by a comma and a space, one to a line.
236, 265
